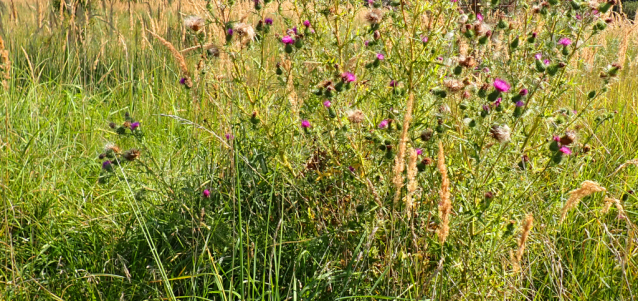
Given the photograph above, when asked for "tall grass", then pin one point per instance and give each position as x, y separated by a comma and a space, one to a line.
286, 218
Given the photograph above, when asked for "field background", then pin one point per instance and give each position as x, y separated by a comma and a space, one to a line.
70, 233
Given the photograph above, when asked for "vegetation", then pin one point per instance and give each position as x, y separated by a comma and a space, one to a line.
317, 150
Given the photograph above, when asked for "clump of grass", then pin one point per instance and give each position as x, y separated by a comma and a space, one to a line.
445, 203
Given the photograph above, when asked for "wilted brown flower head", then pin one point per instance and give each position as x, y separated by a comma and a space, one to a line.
194, 23
453, 85
427, 134
568, 138
467, 61
356, 116
132, 154
374, 16
501, 133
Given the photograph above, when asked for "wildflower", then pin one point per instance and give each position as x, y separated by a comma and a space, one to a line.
501, 85
268, 21
106, 165
306, 23
424, 39
366, 43
501, 133
351, 168
229, 136
523, 92
182, 81
229, 32
565, 42
384, 124
520, 103
134, 125
194, 23
305, 124
206, 193
131, 155
538, 56
393, 83
498, 102
479, 16
287, 40
419, 151
327, 103
546, 62
348, 77
380, 56
355, 116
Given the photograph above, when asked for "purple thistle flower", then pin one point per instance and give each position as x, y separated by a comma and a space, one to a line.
523, 92
229, 32
501, 85
327, 103
440, 58
268, 21
579, 17
134, 125
351, 168
206, 193
546, 62
565, 150
519, 103
556, 138
306, 23
380, 56
106, 164
419, 151
182, 81
366, 43
486, 70
565, 42
393, 83
305, 124
294, 29
486, 108
534, 34
287, 40
538, 56
498, 102
348, 77
424, 39
383, 124
229, 136
479, 17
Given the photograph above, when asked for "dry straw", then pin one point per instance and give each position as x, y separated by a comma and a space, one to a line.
445, 205
412, 183
586, 188
527, 227
5, 65
400, 159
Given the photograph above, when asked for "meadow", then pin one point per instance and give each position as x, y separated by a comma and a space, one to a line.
318, 150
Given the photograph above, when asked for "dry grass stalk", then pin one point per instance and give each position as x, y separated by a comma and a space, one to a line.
527, 227
412, 183
5, 65
586, 188
612, 201
177, 56
445, 205
630, 162
399, 160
